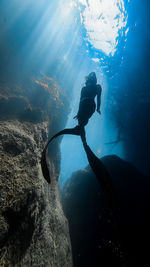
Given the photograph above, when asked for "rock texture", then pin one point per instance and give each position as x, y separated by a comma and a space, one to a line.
33, 228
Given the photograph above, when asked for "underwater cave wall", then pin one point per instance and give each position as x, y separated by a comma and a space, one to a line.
33, 228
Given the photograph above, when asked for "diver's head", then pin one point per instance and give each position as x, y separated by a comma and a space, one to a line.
91, 79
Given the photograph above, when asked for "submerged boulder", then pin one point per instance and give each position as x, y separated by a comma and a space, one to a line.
33, 228
100, 235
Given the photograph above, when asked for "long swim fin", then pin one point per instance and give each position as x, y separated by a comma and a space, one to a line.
45, 171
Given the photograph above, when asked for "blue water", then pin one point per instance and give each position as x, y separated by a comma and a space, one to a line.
68, 39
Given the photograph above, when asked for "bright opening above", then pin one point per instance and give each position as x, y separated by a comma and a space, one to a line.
104, 22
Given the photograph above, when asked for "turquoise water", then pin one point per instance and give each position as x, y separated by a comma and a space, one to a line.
68, 39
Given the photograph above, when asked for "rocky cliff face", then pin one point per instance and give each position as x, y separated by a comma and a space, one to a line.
33, 228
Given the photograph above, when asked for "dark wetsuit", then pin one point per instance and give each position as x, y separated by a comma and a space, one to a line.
87, 104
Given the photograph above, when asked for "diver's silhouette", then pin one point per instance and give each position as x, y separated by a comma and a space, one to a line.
87, 107
87, 104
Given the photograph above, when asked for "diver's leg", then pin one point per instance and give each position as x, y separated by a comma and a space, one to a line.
83, 136
81, 129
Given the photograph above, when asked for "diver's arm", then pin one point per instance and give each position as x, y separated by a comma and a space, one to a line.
99, 90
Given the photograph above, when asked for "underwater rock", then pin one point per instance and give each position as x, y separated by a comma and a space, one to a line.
33, 228
98, 237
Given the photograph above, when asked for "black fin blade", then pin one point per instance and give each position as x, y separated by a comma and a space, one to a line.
45, 171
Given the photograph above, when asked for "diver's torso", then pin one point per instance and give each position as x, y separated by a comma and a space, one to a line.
89, 91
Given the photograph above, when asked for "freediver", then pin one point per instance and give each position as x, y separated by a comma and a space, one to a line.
86, 109
87, 105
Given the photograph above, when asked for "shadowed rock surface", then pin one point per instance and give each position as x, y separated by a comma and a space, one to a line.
97, 238
33, 228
